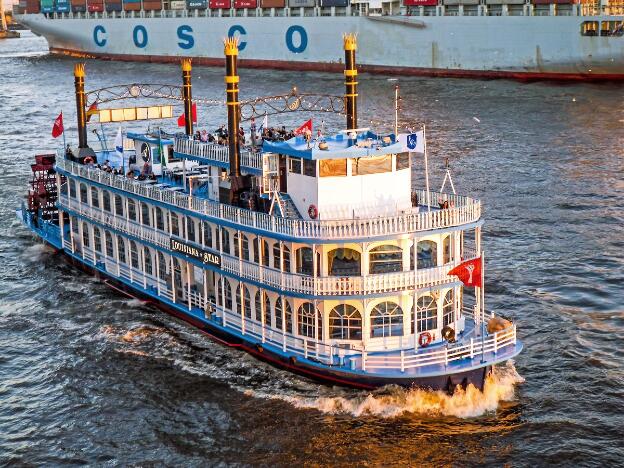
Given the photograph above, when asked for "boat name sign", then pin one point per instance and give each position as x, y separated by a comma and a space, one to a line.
209, 258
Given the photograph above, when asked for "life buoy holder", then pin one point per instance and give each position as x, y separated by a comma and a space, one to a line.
88, 160
424, 339
312, 211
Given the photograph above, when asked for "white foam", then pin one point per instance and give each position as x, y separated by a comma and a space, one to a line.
393, 402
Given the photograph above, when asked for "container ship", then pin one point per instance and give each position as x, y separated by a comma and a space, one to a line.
524, 39
313, 253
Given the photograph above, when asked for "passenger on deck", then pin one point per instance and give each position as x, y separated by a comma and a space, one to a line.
106, 166
69, 154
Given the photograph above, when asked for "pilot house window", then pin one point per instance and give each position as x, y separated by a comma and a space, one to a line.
375, 165
333, 167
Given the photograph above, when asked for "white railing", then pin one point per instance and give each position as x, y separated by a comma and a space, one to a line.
464, 210
216, 152
298, 283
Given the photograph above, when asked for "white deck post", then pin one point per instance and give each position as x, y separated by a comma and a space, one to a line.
241, 299
188, 284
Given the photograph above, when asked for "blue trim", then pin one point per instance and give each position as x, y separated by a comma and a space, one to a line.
214, 162
269, 234
148, 139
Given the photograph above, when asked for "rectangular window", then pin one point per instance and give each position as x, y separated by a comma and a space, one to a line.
295, 165
374, 165
175, 230
333, 167
402, 161
309, 168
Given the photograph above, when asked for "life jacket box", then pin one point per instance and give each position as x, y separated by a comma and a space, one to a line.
217, 4
272, 3
245, 4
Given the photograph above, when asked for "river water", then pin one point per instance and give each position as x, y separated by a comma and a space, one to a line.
89, 377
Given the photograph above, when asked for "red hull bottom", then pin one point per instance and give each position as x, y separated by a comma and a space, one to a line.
337, 67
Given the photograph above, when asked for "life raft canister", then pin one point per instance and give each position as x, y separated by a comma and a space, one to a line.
424, 339
88, 160
312, 211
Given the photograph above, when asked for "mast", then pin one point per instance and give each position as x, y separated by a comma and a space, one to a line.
350, 72
79, 80
3, 23
233, 112
187, 96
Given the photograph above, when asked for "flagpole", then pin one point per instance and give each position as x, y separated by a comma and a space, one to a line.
482, 305
64, 142
426, 168
396, 110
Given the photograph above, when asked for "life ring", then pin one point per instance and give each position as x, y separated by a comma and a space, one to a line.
424, 339
88, 160
312, 211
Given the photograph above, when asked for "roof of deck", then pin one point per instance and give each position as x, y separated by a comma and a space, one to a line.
339, 146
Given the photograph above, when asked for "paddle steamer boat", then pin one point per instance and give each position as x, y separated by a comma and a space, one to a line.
314, 254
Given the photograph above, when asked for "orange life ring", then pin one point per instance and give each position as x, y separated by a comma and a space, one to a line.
312, 211
424, 339
88, 160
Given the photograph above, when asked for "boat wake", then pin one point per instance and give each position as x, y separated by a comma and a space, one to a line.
392, 402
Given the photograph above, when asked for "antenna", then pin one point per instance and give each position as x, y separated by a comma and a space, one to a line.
448, 177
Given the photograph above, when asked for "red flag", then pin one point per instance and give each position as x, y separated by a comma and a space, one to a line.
92, 110
469, 272
57, 129
304, 128
182, 118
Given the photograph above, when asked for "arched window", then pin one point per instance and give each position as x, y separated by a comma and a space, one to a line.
225, 241
97, 239
145, 214
132, 210
147, 255
426, 314
448, 307
305, 261
246, 251
345, 323
256, 249
286, 259
207, 228
267, 309
277, 256
119, 206
446, 250
72, 188
134, 255
385, 259
265, 255
64, 187
307, 320
344, 262
427, 254
175, 224
95, 197
109, 245
190, 229
121, 249
106, 201
162, 266
386, 319
177, 279
227, 291
85, 235
243, 302
287, 314
160, 219
84, 193
257, 307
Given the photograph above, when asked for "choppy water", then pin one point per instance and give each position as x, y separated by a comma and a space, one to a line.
88, 377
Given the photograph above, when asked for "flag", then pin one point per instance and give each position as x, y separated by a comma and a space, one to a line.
469, 272
57, 129
304, 128
412, 142
92, 110
119, 143
182, 118
265, 122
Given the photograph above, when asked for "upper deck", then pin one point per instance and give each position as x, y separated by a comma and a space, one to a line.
461, 211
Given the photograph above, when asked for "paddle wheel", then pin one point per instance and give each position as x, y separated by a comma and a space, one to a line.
43, 193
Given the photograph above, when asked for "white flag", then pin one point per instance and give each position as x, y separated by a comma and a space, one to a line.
119, 143
412, 142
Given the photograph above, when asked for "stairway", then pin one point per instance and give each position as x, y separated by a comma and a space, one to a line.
287, 207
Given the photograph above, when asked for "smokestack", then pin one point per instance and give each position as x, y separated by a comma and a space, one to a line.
187, 96
233, 111
81, 100
350, 72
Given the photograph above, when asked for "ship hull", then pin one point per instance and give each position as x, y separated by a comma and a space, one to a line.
524, 47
